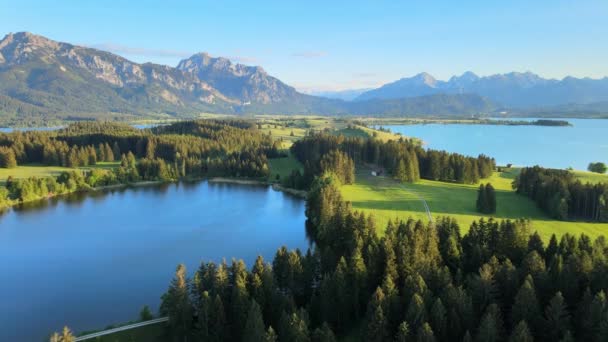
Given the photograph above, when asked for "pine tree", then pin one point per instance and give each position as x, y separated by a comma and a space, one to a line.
594, 316
176, 304
358, 282
521, 333
145, 314
110, 156
240, 302
401, 171
254, 327
416, 312
568, 337
403, 332
294, 328
490, 327
526, 307
150, 149
414, 166
536, 244
55, 337
425, 333
490, 199
217, 326
557, 318
467, 337
377, 326
438, 319
101, 152
204, 313
7, 157
270, 335
323, 334
482, 202
66, 335
116, 150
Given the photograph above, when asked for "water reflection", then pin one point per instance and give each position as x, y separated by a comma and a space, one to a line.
100, 256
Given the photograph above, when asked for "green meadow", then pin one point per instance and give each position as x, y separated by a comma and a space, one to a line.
388, 199
36, 170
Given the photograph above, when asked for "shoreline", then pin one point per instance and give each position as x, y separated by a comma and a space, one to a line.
241, 181
493, 122
275, 186
91, 189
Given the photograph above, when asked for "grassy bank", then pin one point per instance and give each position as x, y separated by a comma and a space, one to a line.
41, 171
388, 199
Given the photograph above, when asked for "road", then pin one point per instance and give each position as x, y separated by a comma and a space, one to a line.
126, 327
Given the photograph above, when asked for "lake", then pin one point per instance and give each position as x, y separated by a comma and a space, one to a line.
557, 147
90, 260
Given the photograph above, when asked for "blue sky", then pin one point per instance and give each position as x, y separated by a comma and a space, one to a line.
337, 44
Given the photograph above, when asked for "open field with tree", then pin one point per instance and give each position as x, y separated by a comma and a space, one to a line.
591, 177
283, 166
388, 200
37, 170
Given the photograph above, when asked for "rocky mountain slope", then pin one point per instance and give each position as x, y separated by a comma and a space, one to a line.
42, 80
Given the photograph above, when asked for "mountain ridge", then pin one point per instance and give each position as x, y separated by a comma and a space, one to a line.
514, 89
45, 80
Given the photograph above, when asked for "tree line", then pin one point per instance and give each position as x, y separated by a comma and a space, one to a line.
185, 149
562, 196
403, 159
79, 144
417, 282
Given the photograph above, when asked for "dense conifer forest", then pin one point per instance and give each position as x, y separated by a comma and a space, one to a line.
418, 282
562, 196
406, 160
185, 149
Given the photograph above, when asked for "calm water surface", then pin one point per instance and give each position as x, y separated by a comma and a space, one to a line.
558, 147
91, 260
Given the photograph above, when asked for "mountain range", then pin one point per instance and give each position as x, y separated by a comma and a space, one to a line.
346, 94
512, 90
42, 80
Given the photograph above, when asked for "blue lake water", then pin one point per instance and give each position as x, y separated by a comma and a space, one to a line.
90, 260
557, 147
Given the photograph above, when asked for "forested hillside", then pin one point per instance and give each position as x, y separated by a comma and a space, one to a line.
182, 150
419, 282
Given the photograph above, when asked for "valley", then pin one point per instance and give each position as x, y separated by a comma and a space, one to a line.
272, 171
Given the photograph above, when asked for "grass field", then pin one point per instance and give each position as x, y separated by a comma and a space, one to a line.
291, 129
388, 199
26, 171
283, 166
591, 177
